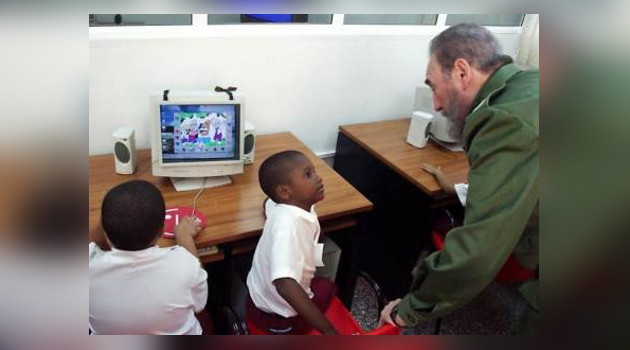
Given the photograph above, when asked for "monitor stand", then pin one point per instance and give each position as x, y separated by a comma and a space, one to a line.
183, 184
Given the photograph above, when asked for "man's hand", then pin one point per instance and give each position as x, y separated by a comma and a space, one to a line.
447, 185
386, 315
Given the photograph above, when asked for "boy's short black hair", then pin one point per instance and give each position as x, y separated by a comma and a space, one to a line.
132, 215
275, 170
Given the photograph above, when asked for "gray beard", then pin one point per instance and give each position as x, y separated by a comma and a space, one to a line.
457, 127
455, 117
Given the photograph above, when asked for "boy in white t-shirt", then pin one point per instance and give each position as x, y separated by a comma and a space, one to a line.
284, 295
135, 286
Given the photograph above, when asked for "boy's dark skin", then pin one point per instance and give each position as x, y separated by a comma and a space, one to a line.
185, 234
303, 189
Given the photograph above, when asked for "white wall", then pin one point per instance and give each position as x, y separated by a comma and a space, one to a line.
305, 84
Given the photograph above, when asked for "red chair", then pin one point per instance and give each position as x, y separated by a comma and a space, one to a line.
511, 272
336, 313
341, 319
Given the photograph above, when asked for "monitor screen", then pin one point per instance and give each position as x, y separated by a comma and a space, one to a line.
199, 132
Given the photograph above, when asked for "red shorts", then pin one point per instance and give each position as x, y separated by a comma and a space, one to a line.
324, 291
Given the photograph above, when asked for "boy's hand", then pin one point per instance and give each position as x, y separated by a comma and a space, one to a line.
447, 185
187, 227
295, 295
185, 233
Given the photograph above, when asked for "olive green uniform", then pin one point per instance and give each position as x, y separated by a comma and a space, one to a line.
501, 140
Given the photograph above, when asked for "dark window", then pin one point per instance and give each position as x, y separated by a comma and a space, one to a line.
391, 19
114, 20
269, 18
487, 20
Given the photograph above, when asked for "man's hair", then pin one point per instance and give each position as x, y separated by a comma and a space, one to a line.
275, 171
132, 215
471, 42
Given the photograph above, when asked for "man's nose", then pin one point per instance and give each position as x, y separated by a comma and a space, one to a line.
437, 105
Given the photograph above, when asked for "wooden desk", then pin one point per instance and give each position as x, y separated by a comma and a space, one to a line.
387, 142
376, 159
234, 212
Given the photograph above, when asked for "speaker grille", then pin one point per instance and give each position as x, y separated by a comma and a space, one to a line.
249, 144
122, 152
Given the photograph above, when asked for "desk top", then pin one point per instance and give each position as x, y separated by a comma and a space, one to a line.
234, 211
386, 141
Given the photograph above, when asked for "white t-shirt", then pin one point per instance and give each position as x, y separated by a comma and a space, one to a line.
288, 248
152, 291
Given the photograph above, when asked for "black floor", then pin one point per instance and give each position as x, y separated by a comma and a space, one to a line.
495, 311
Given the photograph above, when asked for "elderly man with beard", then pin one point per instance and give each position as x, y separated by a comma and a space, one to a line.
493, 106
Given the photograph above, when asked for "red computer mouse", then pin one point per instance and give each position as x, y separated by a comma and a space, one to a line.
174, 214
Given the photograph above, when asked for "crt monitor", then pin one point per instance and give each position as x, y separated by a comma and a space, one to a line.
197, 138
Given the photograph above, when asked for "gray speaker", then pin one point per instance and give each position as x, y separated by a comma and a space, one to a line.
125, 151
249, 146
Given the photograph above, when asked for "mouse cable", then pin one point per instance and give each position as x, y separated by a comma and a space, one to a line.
194, 206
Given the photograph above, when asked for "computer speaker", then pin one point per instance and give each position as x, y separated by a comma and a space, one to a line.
419, 128
125, 151
249, 144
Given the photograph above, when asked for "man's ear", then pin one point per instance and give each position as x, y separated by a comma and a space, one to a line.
283, 192
462, 73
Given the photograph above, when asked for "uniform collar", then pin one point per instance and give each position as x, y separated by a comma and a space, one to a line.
137, 253
297, 211
495, 82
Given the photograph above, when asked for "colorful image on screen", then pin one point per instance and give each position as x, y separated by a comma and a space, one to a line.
194, 133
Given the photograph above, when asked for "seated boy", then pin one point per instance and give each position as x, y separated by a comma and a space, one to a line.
284, 296
137, 287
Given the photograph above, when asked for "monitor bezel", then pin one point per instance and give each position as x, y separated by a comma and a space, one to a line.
207, 167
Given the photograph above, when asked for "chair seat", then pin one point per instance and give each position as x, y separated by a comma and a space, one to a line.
510, 272
341, 319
